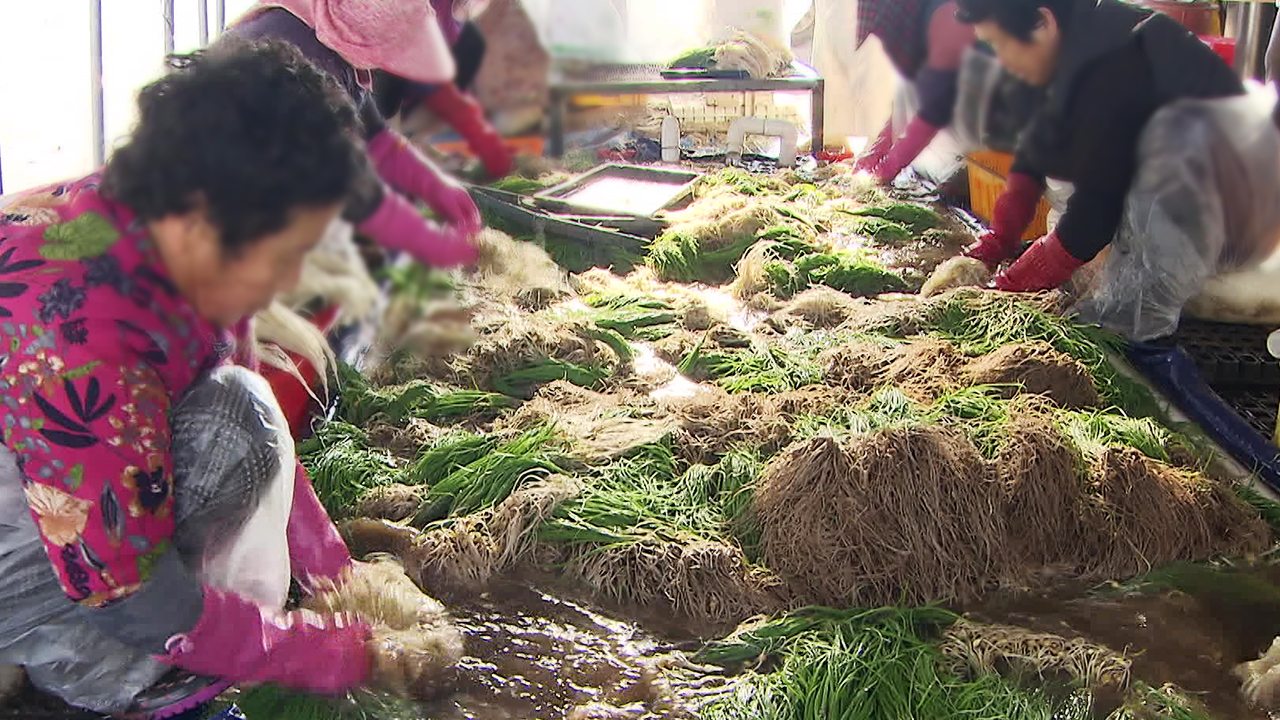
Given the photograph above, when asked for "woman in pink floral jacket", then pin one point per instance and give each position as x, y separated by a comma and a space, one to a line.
117, 292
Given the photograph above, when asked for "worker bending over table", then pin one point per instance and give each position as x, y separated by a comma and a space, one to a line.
124, 292
1173, 166
350, 39
450, 101
926, 43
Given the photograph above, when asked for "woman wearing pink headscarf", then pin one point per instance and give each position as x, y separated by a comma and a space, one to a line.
450, 101
350, 39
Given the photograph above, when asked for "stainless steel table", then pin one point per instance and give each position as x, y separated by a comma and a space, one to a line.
613, 80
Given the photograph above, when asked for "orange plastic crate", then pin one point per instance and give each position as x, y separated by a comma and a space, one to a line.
987, 173
529, 145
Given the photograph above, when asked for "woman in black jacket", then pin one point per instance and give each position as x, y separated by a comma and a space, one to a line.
1107, 68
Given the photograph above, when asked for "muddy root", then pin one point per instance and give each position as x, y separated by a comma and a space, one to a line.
1036, 368
704, 582
416, 645
976, 649
1047, 495
713, 422
902, 515
515, 521
396, 503
1147, 513
461, 557
820, 307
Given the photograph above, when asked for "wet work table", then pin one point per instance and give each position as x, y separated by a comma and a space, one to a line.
615, 80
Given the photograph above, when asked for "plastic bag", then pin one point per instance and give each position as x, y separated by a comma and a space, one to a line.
231, 526
234, 467
992, 106
1202, 203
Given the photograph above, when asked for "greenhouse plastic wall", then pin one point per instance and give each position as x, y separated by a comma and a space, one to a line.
97, 103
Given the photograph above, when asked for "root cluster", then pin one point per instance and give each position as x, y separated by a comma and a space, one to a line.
916, 515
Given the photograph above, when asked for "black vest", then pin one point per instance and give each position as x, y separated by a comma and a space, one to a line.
1180, 64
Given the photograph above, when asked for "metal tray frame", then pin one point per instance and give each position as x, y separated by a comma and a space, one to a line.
682, 182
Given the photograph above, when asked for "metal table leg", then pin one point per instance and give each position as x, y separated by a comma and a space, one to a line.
557, 109
817, 100
1244, 23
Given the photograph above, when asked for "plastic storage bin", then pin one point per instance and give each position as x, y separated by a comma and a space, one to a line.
987, 173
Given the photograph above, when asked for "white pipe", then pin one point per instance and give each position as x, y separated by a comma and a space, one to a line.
670, 139
202, 8
220, 15
781, 129
168, 27
95, 84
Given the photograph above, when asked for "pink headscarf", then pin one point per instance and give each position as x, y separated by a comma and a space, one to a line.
402, 37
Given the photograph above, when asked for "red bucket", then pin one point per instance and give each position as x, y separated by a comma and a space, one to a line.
1225, 47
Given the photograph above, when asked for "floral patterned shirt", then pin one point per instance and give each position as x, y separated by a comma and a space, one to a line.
96, 343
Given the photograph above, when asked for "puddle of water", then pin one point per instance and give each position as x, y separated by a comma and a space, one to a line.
532, 656
723, 304
1192, 639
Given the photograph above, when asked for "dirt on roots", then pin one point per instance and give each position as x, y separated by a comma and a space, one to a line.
1038, 369
704, 583
899, 516
916, 515
926, 369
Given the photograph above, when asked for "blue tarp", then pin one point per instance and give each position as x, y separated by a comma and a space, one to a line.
1171, 369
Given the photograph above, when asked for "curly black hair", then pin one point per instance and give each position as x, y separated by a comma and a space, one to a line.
1019, 18
251, 130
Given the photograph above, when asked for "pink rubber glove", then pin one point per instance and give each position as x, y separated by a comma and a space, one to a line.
908, 147
467, 117
316, 549
410, 172
397, 225
1014, 211
873, 156
240, 641
1044, 266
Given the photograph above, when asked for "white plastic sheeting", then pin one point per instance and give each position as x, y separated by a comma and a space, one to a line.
861, 82
652, 31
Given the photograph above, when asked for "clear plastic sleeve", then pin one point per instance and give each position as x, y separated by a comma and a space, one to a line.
234, 470
1203, 203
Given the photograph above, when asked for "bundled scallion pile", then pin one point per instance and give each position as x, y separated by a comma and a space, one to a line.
810, 446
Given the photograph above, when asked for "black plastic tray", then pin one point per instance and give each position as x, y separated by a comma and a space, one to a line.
1230, 356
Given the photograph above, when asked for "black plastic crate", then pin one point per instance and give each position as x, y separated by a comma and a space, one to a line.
1256, 405
1230, 355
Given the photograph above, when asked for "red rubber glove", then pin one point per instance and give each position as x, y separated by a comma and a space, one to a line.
242, 642
410, 172
1014, 211
873, 156
908, 147
467, 117
397, 225
1044, 266
316, 549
